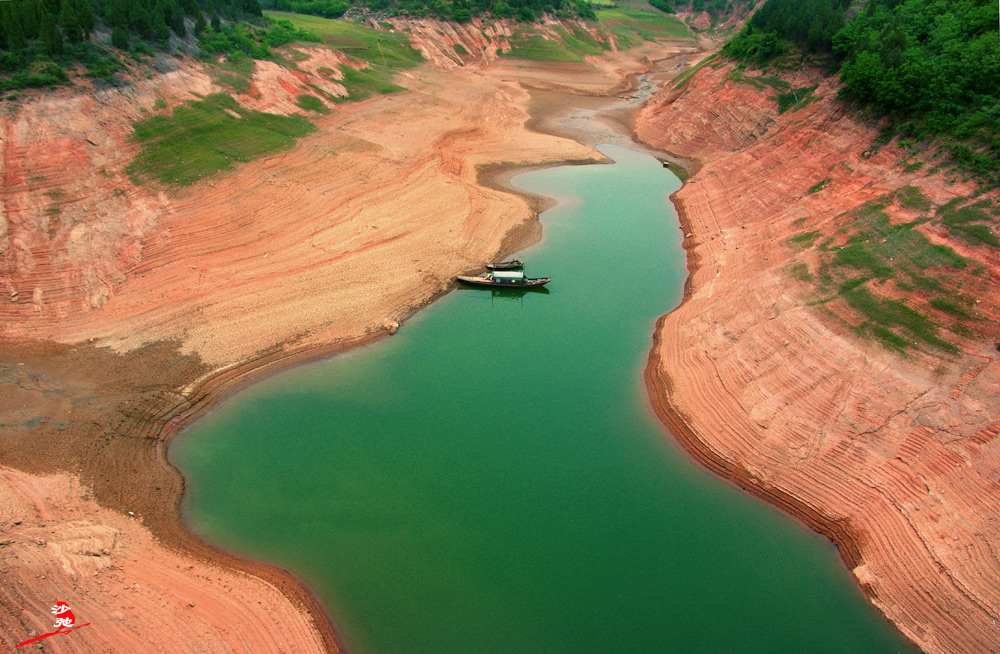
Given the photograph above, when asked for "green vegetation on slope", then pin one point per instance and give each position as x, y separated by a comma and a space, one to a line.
457, 10
41, 38
932, 67
385, 52
808, 24
528, 43
632, 25
892, 276
388, 50
205, 136
714, 7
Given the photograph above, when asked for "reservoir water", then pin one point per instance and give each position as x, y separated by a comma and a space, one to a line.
491, 479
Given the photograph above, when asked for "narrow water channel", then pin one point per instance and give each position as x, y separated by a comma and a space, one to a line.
491, 479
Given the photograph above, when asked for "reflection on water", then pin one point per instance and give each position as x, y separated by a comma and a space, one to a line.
505, 294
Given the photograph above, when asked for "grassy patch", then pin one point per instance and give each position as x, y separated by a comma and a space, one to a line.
967, 223
852, 284
818, 186
205, 136
763, 82
923, 283
684, 77
384, 52
860, 257
528, 42
795, 99
389, 50
363, 83
977, 234
805, 239
525, 43
679, 170
235, 73
312, 103
636, 24
887, 337
587, 39
949, 307
912, 197
800, 271
893, 313
877, 250
460, 49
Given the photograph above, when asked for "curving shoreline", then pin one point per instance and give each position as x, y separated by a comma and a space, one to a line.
209, 392
660, 389
885, 455
130, 397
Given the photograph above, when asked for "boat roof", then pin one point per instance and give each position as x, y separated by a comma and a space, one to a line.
508, 274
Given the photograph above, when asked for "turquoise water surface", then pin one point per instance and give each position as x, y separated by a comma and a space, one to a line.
491, 479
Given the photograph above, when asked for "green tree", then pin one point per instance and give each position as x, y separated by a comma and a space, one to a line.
141, 19
119, 37
85, 16
176, 20
70, 23
51, 38
116, 13
15, 37
160, 30
199, 24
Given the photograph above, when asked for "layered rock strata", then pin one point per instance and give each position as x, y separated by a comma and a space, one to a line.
768, 383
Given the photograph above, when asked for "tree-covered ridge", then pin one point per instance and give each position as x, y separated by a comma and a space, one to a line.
39, 39
809, 24
934, 59
457, 10
931, 66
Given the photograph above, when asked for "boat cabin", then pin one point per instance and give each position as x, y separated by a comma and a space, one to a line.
508, 276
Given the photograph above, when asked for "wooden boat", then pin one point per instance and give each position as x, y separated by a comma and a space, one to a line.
506, 265
504, 279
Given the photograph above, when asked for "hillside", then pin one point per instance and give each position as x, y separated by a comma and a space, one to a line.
837, 353
929, 71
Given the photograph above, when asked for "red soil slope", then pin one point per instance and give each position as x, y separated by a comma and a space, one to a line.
896, 458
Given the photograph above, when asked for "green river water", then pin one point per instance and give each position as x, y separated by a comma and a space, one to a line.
492, 479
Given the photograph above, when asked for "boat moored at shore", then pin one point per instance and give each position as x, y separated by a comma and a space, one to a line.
513, 264
504, 279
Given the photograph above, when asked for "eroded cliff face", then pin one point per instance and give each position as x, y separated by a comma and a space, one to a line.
778, 372
73, 226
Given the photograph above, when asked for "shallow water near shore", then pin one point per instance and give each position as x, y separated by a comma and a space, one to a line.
492, 479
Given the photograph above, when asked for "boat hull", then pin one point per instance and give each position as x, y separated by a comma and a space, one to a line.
485, 282
506, 265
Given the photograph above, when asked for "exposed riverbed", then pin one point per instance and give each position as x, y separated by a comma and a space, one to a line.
491, 479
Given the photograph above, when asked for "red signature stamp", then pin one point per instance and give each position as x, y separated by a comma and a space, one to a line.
65, 622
